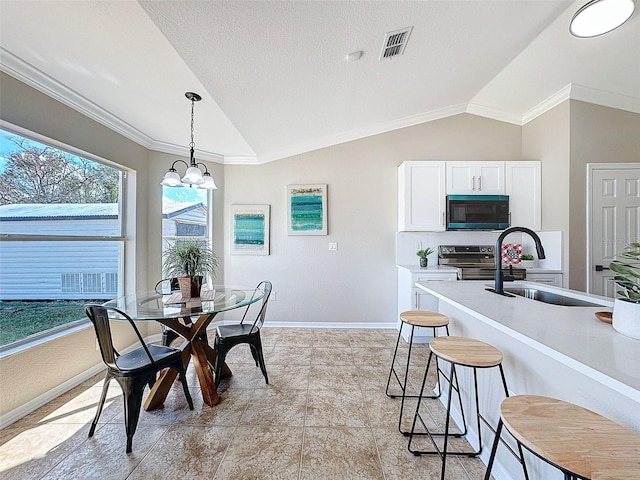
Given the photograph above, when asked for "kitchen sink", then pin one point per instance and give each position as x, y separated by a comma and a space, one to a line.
549, 297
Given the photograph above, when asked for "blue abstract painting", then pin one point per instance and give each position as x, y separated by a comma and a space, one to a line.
250, 229
307, 209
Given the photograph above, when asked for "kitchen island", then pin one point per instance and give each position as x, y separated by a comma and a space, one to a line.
557, 351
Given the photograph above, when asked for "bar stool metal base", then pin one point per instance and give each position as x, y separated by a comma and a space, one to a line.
414, 318
473, 354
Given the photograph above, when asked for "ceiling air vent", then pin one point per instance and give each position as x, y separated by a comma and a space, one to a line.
394, 43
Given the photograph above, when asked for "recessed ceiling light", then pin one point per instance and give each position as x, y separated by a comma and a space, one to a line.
598, 17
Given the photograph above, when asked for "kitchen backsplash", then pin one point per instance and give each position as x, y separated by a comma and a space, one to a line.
407, 243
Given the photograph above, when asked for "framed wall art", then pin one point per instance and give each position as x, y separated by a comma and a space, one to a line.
250, 229
307, 209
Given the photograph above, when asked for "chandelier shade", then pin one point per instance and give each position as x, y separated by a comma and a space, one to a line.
193, 177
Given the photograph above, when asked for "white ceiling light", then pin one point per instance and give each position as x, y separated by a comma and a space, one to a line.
193, 175
601, 16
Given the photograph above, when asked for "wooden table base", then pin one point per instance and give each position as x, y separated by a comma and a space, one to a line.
197, 347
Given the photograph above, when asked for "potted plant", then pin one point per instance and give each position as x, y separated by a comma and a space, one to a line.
626, 306
190, 261
424, 261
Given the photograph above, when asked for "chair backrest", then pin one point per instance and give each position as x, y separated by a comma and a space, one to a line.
99, 316
266, 286
167, 283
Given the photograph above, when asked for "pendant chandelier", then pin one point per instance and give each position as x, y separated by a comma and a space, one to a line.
598, 17
194, 177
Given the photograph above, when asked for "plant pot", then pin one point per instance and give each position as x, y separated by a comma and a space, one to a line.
424, 262
528, 264
626, 318
190, 287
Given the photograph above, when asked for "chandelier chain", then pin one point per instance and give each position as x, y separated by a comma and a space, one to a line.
192, 144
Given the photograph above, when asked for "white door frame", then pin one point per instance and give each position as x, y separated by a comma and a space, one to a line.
591, 167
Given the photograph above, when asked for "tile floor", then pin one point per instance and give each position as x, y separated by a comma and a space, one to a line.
324, 415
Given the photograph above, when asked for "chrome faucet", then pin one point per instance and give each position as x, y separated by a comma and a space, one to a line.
499, 276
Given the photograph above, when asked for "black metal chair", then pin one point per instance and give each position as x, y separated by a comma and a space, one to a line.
131, 370
167, 286
228, 336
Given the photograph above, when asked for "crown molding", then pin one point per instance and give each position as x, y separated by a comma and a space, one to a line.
183, 151
360, 133
494, 114
605, 98
546, 105
30, 75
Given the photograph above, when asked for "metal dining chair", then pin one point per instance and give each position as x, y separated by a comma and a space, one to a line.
132, 370
228, 336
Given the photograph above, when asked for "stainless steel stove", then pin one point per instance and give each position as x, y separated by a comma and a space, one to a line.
475, 262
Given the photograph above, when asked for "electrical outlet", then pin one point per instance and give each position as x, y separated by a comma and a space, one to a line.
418, 246
273, 297
333, 246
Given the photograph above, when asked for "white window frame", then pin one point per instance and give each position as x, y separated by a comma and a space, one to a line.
125, 247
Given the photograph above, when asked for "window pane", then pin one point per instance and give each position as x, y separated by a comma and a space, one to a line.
47, 191
44, 284
184, 214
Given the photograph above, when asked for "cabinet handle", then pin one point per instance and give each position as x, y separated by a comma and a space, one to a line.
415, 301
480, 183
473, 183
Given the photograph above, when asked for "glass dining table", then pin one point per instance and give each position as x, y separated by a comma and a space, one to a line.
188, 318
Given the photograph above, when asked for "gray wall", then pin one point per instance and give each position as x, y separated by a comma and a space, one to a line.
358, 282
597, 135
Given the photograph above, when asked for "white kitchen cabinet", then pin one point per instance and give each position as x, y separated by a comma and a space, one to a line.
475, 178
422, 196
546, 278
523, 186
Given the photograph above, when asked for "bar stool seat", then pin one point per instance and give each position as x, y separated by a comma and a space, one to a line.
413, 319
463, 352
579, 442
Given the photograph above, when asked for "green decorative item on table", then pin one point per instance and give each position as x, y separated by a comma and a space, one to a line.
190, 261
526, 256
424, 261
626, 307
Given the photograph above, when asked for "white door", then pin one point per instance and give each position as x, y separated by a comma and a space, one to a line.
614, 219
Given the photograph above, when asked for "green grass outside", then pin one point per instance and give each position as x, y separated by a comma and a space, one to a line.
20, 319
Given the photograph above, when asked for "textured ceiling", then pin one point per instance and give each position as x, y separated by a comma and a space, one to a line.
273, 74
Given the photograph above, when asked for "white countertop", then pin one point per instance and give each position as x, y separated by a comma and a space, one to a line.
441, 268
571, 335
430, 268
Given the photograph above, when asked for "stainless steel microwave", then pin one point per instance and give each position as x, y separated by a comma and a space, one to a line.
477, 212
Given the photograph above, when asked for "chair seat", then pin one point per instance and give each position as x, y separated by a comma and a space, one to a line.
228, 331
466, 351
423, 318
138, 359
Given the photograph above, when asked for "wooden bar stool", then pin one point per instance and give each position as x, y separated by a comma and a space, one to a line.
414, 318
579, 442
464, 352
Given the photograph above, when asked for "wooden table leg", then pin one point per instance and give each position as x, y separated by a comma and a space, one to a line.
211, 356
205, 375
161, 388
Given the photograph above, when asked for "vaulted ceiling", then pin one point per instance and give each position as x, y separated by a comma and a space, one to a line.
274, 76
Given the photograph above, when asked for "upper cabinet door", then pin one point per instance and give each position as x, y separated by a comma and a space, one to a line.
421, 196
475, 178
523, 185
